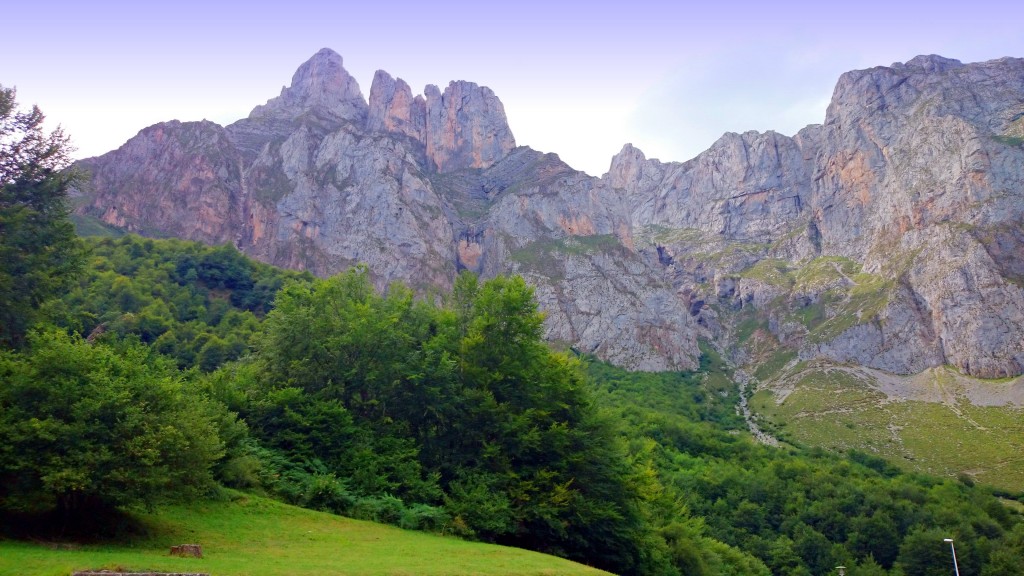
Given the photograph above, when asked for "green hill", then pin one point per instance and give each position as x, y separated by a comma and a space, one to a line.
252, 536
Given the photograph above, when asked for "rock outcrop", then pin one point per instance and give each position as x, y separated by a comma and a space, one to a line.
393, 108
466, 127
891, 235
463, 127
746, 187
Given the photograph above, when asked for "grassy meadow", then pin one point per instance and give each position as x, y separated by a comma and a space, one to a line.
934, 429
245, 535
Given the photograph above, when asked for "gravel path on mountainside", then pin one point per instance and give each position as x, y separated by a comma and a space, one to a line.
742, 379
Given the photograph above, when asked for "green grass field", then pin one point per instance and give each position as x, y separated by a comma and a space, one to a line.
837, 410
246, 535
89, 226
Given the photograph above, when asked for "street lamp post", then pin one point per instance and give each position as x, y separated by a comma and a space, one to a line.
841, 570
953, 548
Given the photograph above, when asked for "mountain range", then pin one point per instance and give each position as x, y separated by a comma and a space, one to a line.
891, 236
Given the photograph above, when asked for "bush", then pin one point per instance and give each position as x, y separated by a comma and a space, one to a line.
385, 509
424, 517
241, 472
327, 493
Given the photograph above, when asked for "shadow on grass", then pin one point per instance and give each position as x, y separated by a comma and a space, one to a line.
93, 525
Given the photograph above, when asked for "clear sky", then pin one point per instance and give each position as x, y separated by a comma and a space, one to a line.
577, 78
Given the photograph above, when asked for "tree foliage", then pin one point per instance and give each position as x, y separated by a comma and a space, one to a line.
460, 405
39, 252
27, 153
86, 427
802, 512
197, 304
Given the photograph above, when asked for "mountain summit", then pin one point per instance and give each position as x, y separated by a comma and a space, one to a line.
320, 86
890, 236
464, 127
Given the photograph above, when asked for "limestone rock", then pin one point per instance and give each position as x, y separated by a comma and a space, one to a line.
393, 108
891, 235
914, 167
612, 306
466, 127
569, 234
915, 174
175, 178
747, 187
322, 86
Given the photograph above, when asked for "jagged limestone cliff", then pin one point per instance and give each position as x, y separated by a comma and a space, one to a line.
914, 180
417, 188
889, 236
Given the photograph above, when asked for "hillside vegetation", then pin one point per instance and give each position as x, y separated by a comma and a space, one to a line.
452, 417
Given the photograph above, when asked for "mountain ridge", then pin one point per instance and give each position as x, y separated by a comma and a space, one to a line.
913, 179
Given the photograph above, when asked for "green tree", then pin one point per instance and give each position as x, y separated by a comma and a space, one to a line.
923, 553
338, 344
39, 252
1010, 560
875, 536
868, 567
86, 427
466, 399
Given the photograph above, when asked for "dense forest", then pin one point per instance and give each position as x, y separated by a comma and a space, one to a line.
135, 371
448, 415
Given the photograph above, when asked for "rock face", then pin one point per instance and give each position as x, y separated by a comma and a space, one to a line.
891, 235
464, 127
393, 108
745, 187
171, 174
915, 176
321, 85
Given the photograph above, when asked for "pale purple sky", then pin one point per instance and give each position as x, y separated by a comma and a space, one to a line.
576, 78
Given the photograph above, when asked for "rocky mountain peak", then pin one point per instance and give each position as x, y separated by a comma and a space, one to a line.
466, 127
628, 167
393, 108
931, 63
463, 127
321, 85
987, 94
889, 236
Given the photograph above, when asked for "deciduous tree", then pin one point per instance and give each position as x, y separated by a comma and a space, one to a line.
87, 426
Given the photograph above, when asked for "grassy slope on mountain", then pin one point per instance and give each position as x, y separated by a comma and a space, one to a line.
927, 422
252, 536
